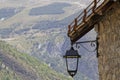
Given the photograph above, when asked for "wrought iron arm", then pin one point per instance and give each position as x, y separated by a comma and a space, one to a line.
94, 43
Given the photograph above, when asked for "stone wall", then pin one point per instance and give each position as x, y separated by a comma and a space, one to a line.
109, 44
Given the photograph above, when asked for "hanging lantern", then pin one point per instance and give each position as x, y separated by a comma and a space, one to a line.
72, 60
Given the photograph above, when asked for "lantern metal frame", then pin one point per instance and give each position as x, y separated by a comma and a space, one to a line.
72, 54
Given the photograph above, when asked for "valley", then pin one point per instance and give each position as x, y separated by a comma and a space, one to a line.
39, 29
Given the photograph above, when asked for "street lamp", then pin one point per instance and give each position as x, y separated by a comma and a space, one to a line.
72, 59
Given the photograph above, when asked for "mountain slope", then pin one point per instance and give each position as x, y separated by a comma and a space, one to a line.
20, 66
44, 36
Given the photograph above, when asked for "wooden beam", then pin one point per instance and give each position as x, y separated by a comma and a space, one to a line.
75, 25
85, 15
94, 7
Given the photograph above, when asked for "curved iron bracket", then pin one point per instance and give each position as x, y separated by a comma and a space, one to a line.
93, 43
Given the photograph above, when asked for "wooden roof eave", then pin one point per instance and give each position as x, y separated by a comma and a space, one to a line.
85, 27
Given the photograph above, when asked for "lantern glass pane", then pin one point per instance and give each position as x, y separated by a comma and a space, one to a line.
72, 64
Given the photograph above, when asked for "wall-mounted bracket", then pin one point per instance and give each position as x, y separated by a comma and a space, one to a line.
93, 46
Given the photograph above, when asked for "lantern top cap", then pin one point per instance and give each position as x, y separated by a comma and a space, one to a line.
72, 53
